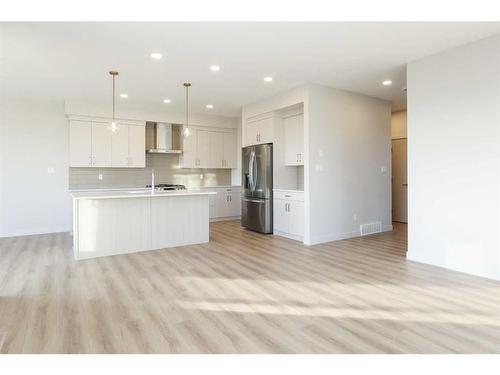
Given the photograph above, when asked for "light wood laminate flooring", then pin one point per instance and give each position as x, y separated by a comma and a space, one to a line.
242, 293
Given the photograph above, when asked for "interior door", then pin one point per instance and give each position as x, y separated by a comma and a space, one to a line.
119, 147
399, 181
101, 144
137, 146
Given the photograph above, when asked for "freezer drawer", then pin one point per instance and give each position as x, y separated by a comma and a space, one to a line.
257, 214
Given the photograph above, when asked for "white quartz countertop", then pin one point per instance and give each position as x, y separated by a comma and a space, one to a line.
289, 190
136, 193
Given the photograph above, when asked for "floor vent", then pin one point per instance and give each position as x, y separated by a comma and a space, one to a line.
370, 228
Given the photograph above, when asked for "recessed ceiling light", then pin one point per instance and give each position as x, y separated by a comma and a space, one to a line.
124, 95
387, 82
167, 101
268, 79
156, 55
215, 68
210, 106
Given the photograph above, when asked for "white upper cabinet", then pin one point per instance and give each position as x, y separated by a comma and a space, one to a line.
101, 145
119, 148
206, 148
189, 157
136, 146
80, 144
294, 139
216, 150
230, 150
203, 149
93, 144
259, 131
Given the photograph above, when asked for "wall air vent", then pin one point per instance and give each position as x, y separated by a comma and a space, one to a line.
370, 228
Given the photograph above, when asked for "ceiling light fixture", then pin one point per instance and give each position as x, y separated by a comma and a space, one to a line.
210, 106
387, 82
124, 95
268, 79
113, 126
185, 131
167, 101
156, 56
215, 68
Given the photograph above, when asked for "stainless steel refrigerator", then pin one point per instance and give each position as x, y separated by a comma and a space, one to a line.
257, 178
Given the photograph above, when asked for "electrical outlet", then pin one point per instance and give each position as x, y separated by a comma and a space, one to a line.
99, 176
383, 169
201, 177
50, 170
355, 217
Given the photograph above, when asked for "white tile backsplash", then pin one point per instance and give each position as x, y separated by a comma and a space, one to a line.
166, 167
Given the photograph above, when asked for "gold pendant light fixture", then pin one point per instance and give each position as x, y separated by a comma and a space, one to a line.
185, 131
113, 126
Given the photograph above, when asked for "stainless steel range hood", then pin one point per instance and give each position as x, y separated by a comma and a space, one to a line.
159, 138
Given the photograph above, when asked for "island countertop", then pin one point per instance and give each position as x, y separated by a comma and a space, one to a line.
136, 193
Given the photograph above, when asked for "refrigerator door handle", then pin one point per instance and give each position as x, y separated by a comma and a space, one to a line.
250, 172
254, 174
253, 200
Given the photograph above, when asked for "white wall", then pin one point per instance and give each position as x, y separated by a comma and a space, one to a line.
349, 142
454, 159
347, 139
33, 137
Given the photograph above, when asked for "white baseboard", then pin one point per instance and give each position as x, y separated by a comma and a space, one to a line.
334, 237
227, 218
288, 235
31, 232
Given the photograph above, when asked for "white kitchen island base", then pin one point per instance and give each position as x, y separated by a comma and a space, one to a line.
107, 223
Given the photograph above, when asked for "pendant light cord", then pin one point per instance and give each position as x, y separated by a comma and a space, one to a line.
114, 97
187, 85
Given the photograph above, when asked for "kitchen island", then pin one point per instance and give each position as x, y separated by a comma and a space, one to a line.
120, 222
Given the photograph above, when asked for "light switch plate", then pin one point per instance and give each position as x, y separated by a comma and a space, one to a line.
383, 169
50, 170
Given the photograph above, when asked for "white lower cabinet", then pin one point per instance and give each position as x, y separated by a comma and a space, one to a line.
226, 203
288, 214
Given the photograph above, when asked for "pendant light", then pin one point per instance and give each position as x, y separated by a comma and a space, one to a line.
113, 126
185, 131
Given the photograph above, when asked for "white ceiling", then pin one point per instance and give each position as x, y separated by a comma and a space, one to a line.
72, 60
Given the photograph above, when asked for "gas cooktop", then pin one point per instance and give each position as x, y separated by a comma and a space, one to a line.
168, 187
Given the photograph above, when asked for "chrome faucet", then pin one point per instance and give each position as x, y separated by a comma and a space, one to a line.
152, 180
